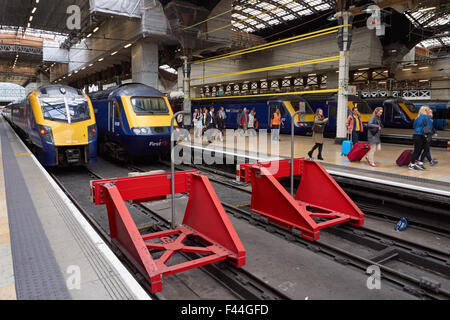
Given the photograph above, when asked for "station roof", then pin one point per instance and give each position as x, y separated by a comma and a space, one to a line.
251, 16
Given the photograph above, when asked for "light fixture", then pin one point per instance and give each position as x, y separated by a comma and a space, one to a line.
101, 59
406, 69
423, 68
393, 50
114, 53
95, 30
426, 9
128, 45
423, 80
37, 1
31, 18
363, 69
312, 74
34, 10
28, 25
83, 68
90, 65
76, 71
90, 34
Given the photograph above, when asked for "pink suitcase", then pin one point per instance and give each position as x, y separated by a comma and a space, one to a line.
358, 151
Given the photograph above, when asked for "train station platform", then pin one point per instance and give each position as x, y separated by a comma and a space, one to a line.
48, 251
434, 180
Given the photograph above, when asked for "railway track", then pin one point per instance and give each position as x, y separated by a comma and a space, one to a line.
430, 262
242, 284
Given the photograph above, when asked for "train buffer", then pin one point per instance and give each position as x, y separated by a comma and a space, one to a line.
206, 228
318, 203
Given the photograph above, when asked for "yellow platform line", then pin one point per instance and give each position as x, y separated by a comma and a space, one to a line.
23, 154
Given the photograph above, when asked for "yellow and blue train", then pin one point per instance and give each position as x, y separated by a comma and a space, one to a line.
133, 121
265, 108
397, 112
328, 103
288, 104
59, 123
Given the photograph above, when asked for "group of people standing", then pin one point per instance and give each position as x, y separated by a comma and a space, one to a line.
247, 122
204, 120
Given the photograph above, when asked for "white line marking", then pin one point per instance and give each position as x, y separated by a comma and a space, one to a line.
130, 281
338, 173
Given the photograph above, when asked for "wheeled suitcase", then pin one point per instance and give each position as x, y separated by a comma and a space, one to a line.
358, 151
346, 146
404, 159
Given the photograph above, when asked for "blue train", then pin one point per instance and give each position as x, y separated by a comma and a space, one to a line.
397, 112
328, 103
264, 108
441, 113
59, 124
133, 121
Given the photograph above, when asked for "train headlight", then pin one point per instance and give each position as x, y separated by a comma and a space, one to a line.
92, 132
142, 131
46, 133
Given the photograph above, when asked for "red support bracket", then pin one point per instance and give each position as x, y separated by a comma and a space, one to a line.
319, 202
205, 224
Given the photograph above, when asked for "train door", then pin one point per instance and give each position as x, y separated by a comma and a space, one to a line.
387, 114
331, 115
113, 117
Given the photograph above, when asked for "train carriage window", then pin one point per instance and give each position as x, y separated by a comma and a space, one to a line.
149, 105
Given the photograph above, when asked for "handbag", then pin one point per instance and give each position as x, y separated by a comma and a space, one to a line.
427, 131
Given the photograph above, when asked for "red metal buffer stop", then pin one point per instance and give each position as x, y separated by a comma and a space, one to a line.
319, 202
205, 221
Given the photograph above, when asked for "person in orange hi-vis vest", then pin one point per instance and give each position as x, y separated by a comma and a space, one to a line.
276, 121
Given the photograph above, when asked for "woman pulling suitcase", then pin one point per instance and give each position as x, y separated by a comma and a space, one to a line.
374, 135
318, 128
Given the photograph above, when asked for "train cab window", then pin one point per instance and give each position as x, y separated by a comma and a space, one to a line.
411, 107
116, 110
149, 105
363, 107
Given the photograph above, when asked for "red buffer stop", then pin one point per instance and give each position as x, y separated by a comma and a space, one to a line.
205, 224
319, 202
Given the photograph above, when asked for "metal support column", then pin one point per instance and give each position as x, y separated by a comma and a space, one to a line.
187, 90
344, 40
292, 151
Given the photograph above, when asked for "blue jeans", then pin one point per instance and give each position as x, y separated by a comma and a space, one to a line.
355, 137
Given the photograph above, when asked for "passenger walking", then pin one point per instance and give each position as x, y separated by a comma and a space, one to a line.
220, 124
210, 123
354, 125
318, 128
422, 131
426, 154
374, 135
198, 124
244, 121
275, 124
252, 122
223, 114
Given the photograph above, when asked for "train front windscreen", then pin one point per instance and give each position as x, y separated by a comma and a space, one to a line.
65, 109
